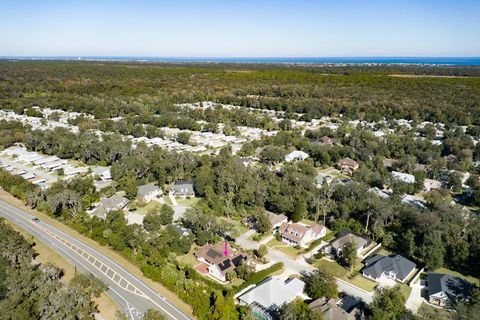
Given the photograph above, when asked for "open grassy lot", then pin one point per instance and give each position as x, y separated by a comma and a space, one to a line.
342, 273
458, 274
288, 250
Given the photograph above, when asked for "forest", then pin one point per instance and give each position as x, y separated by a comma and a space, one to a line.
32, 291
112, 89
439, 235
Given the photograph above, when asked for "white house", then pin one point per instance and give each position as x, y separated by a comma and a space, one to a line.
272, 293
296, 234
404, 177
102, 172
296, 156
149, 192
431, 184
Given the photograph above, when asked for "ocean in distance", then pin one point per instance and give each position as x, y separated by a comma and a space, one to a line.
455, 61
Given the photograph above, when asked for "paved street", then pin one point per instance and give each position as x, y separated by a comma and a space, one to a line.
300, 266
133, 295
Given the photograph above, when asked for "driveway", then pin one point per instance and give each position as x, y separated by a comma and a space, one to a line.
179, 211
415, 299
300, 266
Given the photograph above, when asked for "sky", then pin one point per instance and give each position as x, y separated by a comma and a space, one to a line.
243, 28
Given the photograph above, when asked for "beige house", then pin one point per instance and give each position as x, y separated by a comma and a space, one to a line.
296, 234
347, 165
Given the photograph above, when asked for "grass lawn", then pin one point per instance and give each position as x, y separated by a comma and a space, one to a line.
404, 289
308, 222
383, 252
457, 274
192, 202
278, 245
263, 236
189, 258
152, 204
341, 272
167, 200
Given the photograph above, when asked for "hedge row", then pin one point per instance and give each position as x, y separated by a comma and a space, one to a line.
259, 276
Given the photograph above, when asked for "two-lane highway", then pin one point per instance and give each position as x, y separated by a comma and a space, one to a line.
132, 294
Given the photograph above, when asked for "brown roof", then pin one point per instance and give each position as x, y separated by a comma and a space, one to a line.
348, 162
331, 310
346, 237
213, 254
296, 232
327, 140
317, 228
275, 218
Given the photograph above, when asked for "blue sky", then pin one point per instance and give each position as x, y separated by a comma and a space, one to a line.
204, 28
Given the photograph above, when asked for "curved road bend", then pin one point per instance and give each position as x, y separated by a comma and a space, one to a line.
133, 295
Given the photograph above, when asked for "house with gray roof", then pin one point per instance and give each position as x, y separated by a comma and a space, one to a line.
115, 202
393, 267
323, 178
445, 289
335, 247
102, 172
149, 192
270, 294
276, 219
183, 189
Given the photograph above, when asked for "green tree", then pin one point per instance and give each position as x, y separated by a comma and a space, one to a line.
166, 214
129, 185
153, 314
300, 211
262, 222
152, 220
262, 251
184, 137
320, 284
349, 255
387, 304
433, 250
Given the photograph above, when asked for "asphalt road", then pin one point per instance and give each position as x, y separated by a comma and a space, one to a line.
133, 295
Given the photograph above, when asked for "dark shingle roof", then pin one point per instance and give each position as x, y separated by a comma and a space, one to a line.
454, 287
377, 265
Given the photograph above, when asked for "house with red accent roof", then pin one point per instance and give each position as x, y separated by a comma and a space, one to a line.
219, 264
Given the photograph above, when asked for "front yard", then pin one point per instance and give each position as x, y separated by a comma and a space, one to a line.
342, 273
151, 205
191, 202
283, 247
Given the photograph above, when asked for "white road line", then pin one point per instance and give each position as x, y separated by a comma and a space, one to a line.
12, 210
